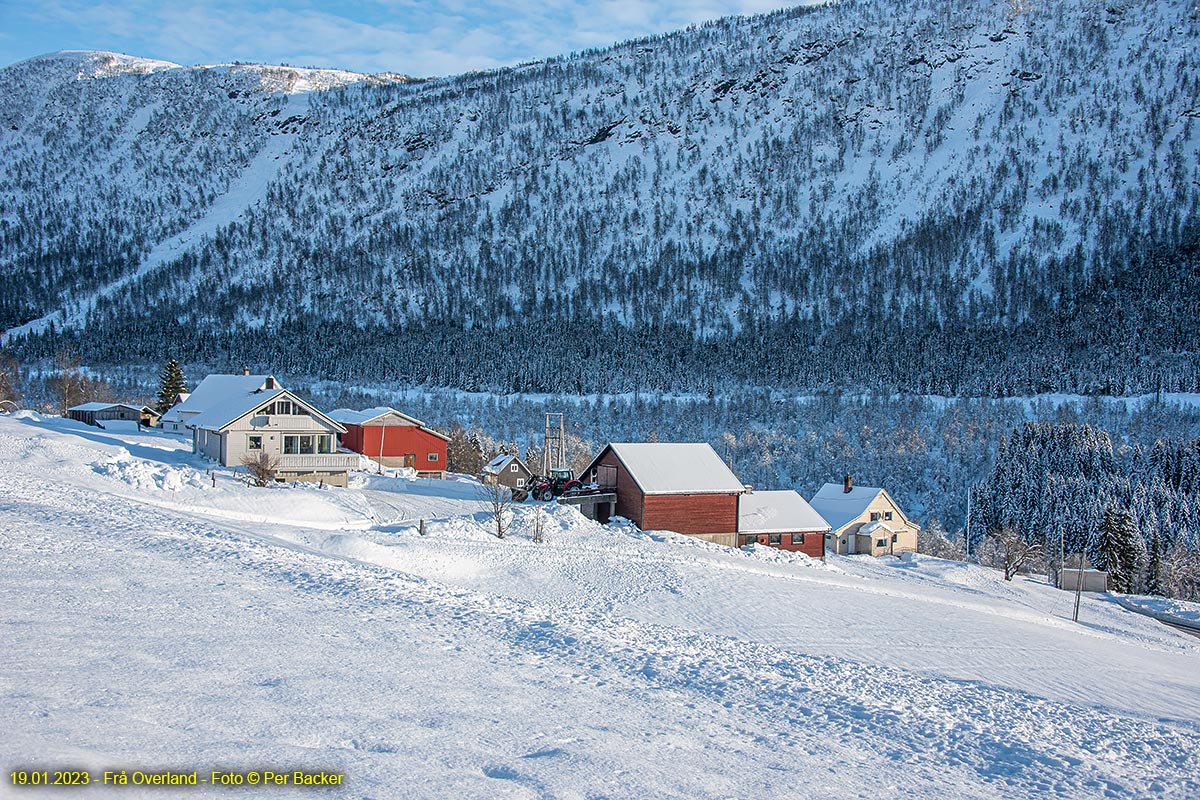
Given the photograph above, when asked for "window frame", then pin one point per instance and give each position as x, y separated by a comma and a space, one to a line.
254, 442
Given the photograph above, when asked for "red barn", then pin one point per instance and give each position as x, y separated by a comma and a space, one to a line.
394, 440
781, 519
675, 487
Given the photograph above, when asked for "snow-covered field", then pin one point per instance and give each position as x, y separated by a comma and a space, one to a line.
153, 619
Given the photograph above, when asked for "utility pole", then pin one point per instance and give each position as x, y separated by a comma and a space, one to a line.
1078, 589
382, 435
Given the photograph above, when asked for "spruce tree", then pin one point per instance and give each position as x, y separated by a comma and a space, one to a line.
173, 383
1154, 582
1120, 548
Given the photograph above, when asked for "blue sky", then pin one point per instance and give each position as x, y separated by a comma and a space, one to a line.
415, 37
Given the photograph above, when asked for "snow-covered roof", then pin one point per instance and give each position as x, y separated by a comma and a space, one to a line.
105, 406
216, 389
500, 462
871, 528
839, 507
233, 406
777, 512
348, 416
182, 397
677, 468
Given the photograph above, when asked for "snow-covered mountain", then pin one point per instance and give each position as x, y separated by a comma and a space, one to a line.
985, 197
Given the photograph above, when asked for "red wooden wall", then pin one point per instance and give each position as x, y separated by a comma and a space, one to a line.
691, 513
398, 441
811, 543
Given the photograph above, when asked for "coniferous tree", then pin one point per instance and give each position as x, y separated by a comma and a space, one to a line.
1118, 549
172, 384
1154, 582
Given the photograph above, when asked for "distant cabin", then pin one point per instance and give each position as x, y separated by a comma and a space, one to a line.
98, 413
507, 470
781, 519
679, 487
864, 519
394, 439
1092, 580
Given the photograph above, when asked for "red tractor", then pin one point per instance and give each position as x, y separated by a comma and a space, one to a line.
561, 481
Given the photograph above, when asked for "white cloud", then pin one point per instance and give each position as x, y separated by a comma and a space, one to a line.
419, 37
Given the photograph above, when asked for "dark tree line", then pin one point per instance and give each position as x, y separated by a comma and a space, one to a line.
1131, 508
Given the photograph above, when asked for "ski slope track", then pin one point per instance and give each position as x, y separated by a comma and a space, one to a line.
154, 616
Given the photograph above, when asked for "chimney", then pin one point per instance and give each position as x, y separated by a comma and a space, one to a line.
245, 370
847, 484
748, 488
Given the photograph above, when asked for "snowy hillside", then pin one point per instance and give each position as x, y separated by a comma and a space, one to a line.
985, 198
154, 619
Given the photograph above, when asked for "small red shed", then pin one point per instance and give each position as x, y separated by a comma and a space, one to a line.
394, 439
781, 519
679, 487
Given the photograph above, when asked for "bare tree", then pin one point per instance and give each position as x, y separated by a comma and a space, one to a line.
498, 498
262, 467
9, 396
1012, 551
539, 525
68, 382
932, 540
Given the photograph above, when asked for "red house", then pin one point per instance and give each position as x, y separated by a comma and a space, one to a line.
677, 487
394, 439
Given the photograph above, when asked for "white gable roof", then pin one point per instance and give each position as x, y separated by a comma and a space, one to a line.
777, 512
839, 507
215, 389
677, 468
348, 416
105, 406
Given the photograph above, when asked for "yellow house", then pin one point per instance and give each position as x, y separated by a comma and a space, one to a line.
864, 519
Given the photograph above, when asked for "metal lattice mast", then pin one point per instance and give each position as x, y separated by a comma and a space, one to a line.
554, 453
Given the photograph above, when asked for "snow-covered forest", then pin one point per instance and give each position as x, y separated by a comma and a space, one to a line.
986, 198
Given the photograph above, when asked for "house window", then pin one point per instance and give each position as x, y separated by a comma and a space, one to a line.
776, 539
874, 516
291, 445
512, 468
254, 443
324, 444
520, 481
797, 538
887, 515
881, 542
433, 456
307, 445
895, 538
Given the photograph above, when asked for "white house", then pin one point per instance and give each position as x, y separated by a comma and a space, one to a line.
864, 519
255, 415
